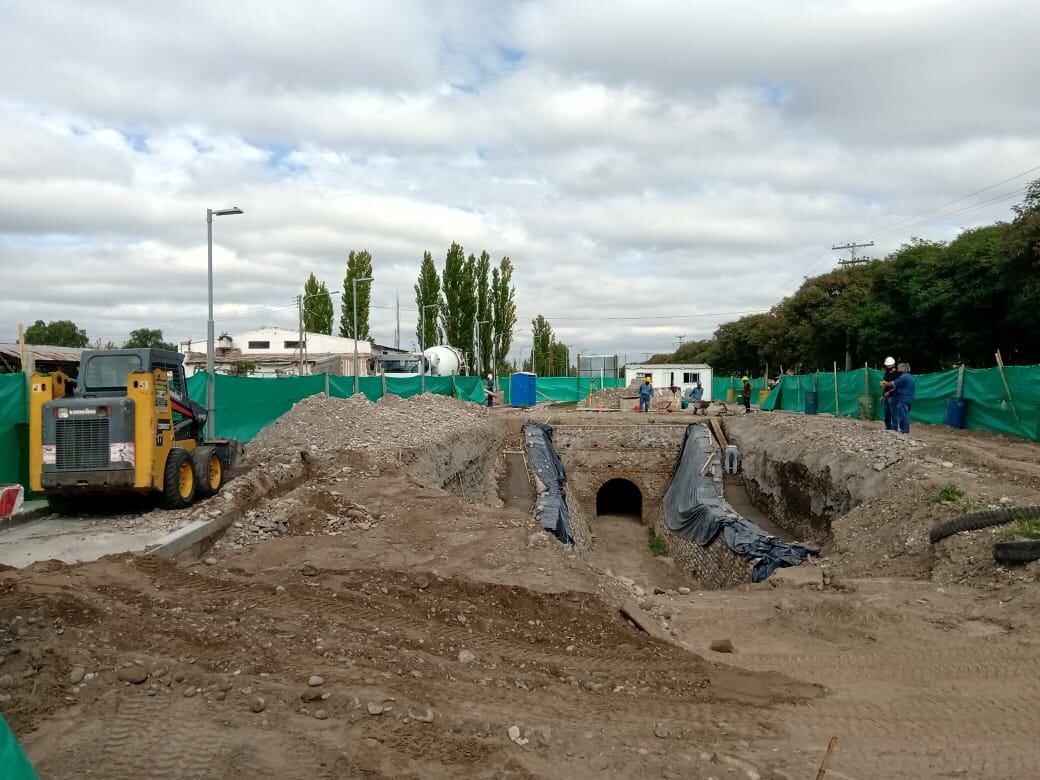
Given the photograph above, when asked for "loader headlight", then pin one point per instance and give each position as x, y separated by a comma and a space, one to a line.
63, 414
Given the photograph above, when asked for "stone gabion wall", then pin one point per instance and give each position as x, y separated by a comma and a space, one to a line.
713, 567
645, 455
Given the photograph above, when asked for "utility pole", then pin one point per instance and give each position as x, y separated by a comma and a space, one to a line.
851, 249
397, 331
299, 344
679, 337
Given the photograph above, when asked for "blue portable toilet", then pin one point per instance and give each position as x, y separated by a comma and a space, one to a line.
522, 389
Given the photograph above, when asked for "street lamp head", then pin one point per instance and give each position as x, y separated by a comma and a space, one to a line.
226, 212
363, 279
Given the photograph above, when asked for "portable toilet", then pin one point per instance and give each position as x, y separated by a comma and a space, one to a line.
522, 389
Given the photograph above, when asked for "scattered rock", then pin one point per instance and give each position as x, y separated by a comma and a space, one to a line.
258, 704
514, 736
190, 691
423, 717
321, 715
310, 695
660, 731
422, 582
211, 561
307, 570
462, 619
1005, 501
77, 674
375, 709
466, 657
314, 681
371, 742
134, 673
684, 591
722, 646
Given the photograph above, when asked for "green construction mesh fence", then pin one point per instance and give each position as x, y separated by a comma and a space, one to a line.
14, 429
991, 406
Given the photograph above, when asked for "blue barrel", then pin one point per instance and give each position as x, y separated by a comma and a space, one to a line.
810, 402
956, 412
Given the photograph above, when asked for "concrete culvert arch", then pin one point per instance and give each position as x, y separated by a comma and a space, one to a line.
619, 497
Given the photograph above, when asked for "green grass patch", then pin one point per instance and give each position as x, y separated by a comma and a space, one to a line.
655, 542
950, 493
1025, 528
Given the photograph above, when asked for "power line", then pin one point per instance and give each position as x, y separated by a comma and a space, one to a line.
955, 200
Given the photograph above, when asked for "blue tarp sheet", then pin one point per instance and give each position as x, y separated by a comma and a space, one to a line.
695, 509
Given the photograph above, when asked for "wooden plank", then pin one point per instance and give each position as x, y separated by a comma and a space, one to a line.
720, 436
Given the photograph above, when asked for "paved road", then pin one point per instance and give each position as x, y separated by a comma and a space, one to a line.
68, 539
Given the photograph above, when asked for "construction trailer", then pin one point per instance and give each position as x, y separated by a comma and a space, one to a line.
665, 375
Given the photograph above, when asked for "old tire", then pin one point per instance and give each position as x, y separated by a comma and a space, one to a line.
976, 520
210, 471
178, 479
1016, 552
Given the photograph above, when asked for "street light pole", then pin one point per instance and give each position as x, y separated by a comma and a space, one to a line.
211, 379
355, 284
480, 350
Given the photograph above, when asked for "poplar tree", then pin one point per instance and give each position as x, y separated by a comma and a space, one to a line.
359, 266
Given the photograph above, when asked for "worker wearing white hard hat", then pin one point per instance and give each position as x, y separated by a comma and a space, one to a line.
489, 390
888, 394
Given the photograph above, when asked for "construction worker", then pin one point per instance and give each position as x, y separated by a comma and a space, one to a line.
747, 394
646, 392
888, 392
489, 389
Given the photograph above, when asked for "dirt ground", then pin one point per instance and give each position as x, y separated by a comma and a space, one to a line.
455, 639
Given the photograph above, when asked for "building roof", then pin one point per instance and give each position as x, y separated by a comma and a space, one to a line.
654, 366
42, 352
236, 356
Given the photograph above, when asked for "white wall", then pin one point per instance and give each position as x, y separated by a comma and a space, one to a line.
317, 343
662, 376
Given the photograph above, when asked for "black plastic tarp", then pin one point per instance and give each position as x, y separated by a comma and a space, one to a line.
695, 509
551, 506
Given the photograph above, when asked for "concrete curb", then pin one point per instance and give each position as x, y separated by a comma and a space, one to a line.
191, 540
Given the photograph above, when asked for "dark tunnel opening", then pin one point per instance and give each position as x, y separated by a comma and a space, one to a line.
619, 497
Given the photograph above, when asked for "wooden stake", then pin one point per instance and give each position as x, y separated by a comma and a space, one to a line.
1007, 388
960, 381
837, 408
822, 774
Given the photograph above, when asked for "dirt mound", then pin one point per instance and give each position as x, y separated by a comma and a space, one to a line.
873, 496
321, 425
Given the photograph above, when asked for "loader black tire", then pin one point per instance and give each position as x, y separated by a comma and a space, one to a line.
210, 470
976, 520
178, 480
1016, 552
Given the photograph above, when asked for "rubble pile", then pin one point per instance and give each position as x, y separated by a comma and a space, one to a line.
321, 425
609, 398
866, 441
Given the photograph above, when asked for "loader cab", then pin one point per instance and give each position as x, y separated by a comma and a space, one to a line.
104, 373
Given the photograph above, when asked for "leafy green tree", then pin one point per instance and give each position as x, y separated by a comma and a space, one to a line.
559, 359
484, 307
459, 304
542, 340
317, 307
148, 338
428, 293
503, 306
359, 266
60, 333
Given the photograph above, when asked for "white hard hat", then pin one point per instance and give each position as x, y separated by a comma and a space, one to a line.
489, 376
890, 361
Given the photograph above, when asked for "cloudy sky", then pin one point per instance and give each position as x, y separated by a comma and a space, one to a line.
650, 167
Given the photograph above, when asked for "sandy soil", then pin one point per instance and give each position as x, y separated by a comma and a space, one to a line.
440, 625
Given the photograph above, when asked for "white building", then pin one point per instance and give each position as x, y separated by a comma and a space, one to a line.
665, 375
276, 352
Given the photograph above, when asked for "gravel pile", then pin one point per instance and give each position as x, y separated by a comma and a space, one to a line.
867, 441
322, 425
611, 398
